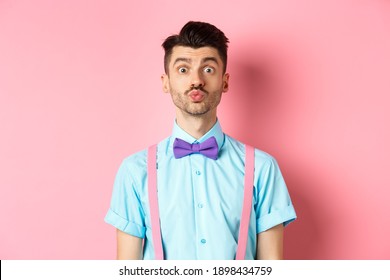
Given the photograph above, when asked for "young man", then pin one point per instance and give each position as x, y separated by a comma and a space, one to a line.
200, 172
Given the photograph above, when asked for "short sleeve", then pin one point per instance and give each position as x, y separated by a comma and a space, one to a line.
272, 201
125, 212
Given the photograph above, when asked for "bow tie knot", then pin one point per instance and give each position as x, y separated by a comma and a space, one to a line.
195, 148
208, 148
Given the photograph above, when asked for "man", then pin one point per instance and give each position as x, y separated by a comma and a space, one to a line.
200, 191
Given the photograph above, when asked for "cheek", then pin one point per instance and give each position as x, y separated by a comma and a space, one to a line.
216, 83
178, 83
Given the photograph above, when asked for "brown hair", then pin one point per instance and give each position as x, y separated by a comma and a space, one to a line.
196, 34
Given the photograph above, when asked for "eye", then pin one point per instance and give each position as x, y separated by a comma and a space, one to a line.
208, 70
182, 70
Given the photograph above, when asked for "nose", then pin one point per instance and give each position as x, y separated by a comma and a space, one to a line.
197, 80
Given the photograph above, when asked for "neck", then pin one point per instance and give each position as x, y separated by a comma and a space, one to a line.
196, 126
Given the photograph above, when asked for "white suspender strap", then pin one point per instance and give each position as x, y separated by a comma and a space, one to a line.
247, 204
153, 203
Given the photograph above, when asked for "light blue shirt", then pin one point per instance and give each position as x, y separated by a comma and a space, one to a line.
200, 199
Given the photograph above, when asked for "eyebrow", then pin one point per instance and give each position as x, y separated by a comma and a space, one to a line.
210, 58
181, 59
188, 60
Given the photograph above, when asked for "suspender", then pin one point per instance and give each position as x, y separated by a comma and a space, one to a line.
246, 207
247, 204
153, 203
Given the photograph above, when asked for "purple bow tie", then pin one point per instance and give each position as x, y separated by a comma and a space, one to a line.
208, 148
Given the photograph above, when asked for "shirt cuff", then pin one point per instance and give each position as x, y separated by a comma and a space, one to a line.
276, 217
124, 225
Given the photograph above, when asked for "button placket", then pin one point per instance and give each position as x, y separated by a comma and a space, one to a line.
200, 192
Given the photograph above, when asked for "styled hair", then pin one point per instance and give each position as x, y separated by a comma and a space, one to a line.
196, 34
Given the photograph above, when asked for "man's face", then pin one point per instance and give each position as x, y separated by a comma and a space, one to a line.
195, 80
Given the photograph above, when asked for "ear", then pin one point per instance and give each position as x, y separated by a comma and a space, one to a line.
165, 83
225, 86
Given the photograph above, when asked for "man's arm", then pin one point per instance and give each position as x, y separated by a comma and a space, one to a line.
270, 244
128, 247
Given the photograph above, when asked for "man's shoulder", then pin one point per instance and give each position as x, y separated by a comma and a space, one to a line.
136, 158
261, 156
139, 159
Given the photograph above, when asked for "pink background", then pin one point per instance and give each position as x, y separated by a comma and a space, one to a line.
80, 90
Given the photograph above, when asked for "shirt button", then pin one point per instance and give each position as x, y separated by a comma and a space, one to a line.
203, 241
197, 172
200, 205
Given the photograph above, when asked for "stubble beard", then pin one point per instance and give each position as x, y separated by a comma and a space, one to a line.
196, 109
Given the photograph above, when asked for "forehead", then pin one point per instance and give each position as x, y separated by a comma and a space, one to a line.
194, 55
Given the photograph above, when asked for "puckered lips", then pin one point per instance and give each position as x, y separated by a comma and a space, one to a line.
196, 95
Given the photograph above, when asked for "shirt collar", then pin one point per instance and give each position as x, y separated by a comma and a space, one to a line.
215, 131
